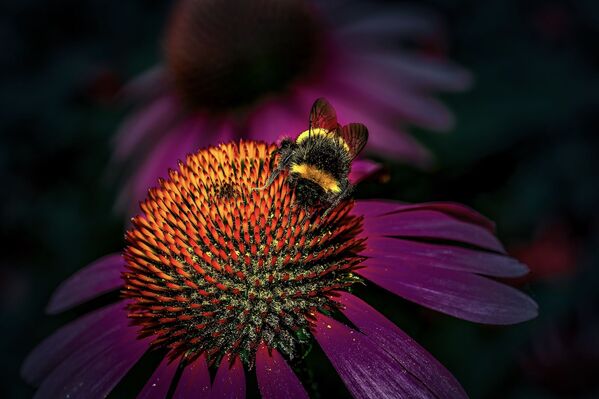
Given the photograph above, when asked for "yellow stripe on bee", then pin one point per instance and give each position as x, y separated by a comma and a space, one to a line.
322, 132
320, 177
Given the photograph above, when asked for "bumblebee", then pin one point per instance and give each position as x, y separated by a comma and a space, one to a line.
319, 159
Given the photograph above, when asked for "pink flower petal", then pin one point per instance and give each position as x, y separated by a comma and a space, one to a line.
373, 208
402, 348
386, 138
367, 369
68, 339
385, 98
155, 118
431, 225
361, 169
147, 85
230, 380
93, 370
277, 119
195, 381
463, 295
397, 252
159, 383
458, 211
385, 22
275, 377
174, 146
414, 71
99, 277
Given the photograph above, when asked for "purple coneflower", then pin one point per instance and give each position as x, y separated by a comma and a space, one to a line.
233, 67
219, 276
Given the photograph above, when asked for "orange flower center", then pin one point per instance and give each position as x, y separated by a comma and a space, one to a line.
215, 267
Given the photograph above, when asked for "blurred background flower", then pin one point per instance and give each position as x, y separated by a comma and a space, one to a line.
253, 68
524, 152
551, 254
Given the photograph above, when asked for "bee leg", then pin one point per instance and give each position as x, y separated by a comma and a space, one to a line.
269, 181
342, 195
330, 208
273, 157
284, 153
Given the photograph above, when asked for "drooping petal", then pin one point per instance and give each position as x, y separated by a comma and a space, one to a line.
361, 169
367, 369
386, 138
94, 369
66, 340
277, 119
100, 277
275, 378
388, 98
155, 118
373, 208
174, 146
395, 143
387, 22
396, 252
229, 382
458, 211
415, 359
159, 383
417, 71
195, 381
149, 84
459, 294
431, 225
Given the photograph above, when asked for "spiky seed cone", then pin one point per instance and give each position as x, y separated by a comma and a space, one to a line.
215, 267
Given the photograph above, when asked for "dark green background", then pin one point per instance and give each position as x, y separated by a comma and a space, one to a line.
524, 152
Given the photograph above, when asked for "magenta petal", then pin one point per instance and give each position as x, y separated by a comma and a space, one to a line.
457, 211
463, 295
387, 138
391, 98
277, 119
100, 277
195, 381
173, 147
229, 382
375, 207
367, 369
58, 346
361, 169
93, 370
401, 347
147, 85
154, 118
159, 383
418, 72
389, 22
431, 225
396, 144
396, 252
275, 377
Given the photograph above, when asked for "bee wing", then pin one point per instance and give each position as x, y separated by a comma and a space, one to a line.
323, 115
356, 136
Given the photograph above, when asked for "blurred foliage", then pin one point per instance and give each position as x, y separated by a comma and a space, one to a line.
523, 152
